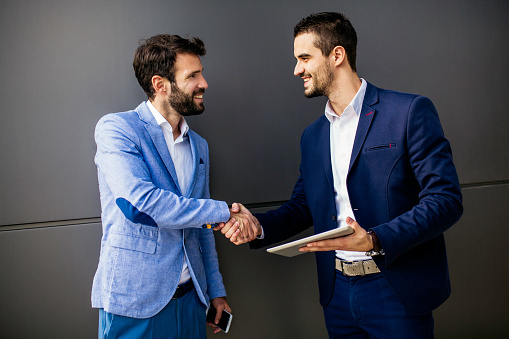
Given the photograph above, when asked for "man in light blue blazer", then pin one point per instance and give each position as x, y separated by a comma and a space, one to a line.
158, 266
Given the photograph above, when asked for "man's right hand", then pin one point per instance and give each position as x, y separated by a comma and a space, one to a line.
242, 226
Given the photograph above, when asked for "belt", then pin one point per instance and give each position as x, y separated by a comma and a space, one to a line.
356, 268
183, 289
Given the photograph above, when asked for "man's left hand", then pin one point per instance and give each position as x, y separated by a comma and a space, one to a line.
219, 304
359, 241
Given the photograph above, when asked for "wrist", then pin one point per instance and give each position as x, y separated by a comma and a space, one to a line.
377, 245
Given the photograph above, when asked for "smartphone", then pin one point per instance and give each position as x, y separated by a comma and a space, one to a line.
224, 322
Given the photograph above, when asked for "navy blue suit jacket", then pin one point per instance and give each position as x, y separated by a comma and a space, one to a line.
402, 184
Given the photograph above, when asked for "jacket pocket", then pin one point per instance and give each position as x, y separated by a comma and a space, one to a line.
381, 147
128, 242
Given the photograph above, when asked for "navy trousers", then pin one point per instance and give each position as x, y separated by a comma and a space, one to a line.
367, 307
182, 318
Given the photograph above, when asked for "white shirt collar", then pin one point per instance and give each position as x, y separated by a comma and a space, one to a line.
184, 127
355, 104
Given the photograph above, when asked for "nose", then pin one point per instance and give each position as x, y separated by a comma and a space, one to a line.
298, 69
203, 83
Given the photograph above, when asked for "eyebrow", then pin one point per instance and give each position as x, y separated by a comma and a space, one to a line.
303, 55
195, 72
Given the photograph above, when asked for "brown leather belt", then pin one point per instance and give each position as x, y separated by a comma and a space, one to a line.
356, 268
183, 289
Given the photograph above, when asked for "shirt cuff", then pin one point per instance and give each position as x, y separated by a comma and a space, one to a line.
261, 236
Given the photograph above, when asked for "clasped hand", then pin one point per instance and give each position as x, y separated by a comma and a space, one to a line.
242, 226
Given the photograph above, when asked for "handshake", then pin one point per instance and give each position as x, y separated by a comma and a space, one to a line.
242, 226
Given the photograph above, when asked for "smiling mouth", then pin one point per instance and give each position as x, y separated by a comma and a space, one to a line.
198, 96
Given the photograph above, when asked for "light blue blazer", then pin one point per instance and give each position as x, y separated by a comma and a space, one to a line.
149, 225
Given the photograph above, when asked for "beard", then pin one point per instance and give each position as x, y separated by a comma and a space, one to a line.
322, 81
184, 103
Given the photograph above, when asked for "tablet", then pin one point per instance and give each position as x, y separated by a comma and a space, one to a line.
291, 249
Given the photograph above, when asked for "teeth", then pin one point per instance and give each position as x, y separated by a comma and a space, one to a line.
307, 79
199, 96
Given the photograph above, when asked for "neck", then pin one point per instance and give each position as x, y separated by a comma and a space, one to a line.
344, 89
172, 116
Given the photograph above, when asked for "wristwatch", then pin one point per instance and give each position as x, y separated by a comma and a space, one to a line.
377, 246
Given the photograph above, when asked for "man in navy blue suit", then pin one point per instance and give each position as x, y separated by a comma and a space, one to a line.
378, 161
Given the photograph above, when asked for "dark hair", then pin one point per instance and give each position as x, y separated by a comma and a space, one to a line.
331, 30
156, 56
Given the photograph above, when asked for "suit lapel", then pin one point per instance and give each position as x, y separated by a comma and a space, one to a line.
157, 136
196, 159
324, 145
365, 120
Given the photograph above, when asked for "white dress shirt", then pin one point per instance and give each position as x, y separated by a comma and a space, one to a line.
182, 157
342, 135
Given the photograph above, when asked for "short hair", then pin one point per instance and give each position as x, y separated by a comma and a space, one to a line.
331, 30
156, 56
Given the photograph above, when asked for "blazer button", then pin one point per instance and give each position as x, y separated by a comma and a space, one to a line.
333, 217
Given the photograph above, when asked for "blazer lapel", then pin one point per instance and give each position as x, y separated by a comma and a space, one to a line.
157, 136
324, 146
365, 120
196, 159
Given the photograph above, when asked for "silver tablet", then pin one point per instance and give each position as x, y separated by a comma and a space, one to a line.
291, 249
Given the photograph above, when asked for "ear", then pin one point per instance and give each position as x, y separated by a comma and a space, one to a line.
160, 84
338, 55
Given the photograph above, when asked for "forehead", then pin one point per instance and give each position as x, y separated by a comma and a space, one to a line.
187, 63
304, 45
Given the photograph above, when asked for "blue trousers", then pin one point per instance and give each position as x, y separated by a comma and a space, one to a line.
367, 307
181, 318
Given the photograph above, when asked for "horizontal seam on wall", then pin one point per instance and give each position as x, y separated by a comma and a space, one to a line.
266, 204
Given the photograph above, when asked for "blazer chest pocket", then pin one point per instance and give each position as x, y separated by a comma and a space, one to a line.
380, 147
129, 242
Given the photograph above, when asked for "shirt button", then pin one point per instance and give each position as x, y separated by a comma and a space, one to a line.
333, 217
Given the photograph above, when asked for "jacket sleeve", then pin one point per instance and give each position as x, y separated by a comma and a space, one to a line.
288, 220
215, 286
123, 169
439, 205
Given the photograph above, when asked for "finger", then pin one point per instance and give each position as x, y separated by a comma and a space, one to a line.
330, 243
315, 249
228, 225
234, 237
247, 231
325, 245
220, 226
232, 230
239, 241
219, 313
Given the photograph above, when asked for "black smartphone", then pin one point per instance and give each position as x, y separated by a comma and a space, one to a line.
224, 322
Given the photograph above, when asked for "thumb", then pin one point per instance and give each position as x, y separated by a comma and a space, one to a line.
235, 207
351, 222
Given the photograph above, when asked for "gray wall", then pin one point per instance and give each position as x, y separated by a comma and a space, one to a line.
64, 64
